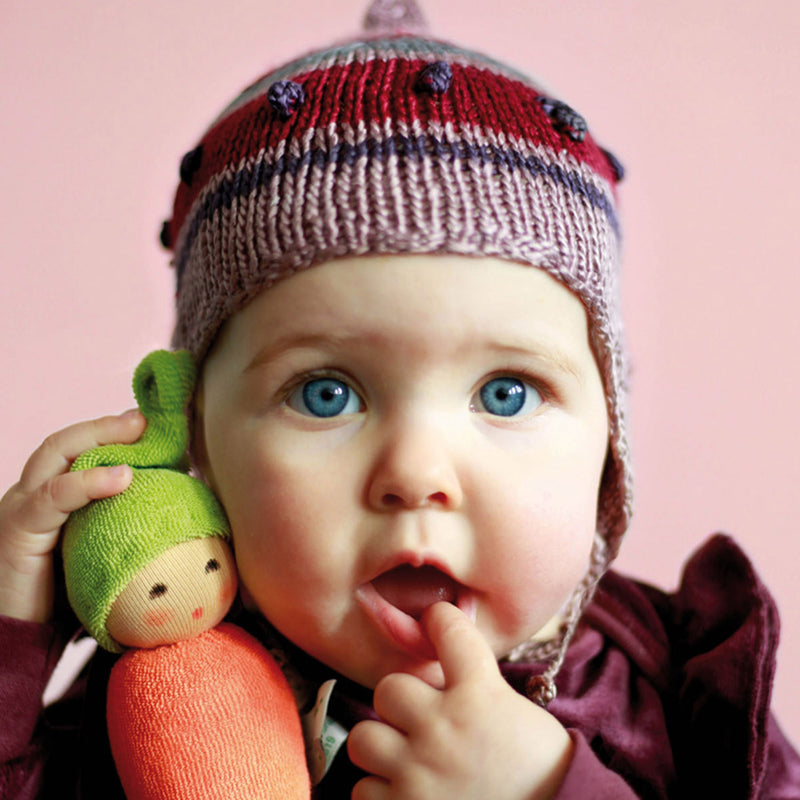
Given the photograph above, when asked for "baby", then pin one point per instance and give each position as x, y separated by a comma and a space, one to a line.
397, 264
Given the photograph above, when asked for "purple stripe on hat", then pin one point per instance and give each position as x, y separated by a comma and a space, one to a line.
251, 177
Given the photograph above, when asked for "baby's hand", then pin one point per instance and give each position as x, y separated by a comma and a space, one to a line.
33, 510
476, 738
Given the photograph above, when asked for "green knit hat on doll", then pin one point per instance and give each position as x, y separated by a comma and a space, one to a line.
108, 541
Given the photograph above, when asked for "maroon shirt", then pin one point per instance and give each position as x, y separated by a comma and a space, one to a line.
664, 696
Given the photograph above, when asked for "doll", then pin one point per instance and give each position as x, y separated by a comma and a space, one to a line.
196, 707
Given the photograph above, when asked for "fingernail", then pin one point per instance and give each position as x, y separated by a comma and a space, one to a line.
118, 471
130, 414
469, 606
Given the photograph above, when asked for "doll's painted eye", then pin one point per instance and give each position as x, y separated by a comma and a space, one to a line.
324, 397
158, 590
506, 397
212, 565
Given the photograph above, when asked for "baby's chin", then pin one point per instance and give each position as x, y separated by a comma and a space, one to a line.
430, 672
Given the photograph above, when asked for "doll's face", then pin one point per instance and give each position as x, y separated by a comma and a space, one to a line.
384, 432
185, 591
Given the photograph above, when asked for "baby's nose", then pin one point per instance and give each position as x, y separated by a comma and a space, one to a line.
415, 469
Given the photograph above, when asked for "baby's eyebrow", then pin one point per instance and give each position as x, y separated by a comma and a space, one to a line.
283, 344
548, 354
545, 352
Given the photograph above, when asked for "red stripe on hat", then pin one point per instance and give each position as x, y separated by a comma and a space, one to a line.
377, 92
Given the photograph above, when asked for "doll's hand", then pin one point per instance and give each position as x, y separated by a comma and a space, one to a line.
33, 510
475, 738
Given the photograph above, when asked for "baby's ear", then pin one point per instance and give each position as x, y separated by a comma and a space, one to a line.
198, 455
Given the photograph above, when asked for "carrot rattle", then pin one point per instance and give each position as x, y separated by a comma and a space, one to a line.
196, 706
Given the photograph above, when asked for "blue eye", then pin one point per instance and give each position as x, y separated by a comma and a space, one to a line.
507, 397
324, 397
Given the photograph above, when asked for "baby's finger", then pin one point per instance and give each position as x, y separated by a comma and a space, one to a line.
49, 506
371, 788
57, 452
460, 647
404, 701
377, 748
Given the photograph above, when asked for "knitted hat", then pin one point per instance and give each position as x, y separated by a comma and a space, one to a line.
108, 541
398, 143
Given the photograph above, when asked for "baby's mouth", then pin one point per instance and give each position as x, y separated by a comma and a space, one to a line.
413, 589
396, 599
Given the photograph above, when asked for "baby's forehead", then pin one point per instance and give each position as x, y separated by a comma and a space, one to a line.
416, 306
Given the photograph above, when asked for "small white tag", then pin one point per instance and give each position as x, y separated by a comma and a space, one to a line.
324, 736
75, 658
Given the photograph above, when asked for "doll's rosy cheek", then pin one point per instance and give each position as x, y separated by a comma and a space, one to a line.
227, 591
158, 618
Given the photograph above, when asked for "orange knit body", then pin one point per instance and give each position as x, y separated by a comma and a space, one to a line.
209, 717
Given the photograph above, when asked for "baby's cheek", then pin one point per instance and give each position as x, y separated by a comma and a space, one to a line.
158, 618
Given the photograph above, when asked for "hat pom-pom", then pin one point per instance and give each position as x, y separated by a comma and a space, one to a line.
394, 16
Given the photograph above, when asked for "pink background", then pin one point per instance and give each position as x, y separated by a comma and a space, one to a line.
699, 99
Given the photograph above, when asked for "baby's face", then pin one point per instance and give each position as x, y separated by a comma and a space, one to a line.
385, 432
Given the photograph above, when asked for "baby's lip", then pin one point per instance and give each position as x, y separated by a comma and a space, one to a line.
396, 598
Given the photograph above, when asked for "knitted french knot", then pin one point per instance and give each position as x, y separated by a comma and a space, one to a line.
393, 15
286, 97
190, 163
565, 119
435, 78
164, 235
615, 164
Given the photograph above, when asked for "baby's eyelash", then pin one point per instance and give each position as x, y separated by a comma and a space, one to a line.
543, 386
316, 374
